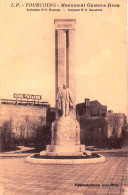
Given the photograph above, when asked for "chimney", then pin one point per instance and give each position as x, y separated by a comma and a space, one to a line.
110, 111
87, 102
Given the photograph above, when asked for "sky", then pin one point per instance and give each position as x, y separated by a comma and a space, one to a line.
27, 52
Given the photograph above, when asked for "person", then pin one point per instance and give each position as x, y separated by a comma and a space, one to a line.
66, 99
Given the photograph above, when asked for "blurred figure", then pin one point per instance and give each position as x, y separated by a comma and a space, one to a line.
66, 99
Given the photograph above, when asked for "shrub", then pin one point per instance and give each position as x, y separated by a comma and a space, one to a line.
112, 142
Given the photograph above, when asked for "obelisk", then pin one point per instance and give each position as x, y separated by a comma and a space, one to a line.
64, 53
65, 140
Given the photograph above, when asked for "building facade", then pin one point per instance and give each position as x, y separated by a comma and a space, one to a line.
116, 123
97, 124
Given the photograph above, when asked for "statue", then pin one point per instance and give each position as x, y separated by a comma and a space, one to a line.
64, 100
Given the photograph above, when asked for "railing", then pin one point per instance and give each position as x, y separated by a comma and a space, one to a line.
24, 102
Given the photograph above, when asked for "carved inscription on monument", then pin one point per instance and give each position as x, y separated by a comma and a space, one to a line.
65, 24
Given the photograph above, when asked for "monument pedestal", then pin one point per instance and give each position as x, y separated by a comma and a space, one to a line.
65, 138
65, 150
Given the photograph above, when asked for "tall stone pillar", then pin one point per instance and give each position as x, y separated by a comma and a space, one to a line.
65, 63
71, 61
61, 46
65, 129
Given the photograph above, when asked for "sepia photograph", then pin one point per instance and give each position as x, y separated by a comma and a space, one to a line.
63, 97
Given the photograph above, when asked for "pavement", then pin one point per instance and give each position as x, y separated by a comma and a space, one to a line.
17, 177
17, 153
21, 149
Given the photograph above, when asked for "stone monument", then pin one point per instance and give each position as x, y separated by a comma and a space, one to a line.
65, 139
65, 145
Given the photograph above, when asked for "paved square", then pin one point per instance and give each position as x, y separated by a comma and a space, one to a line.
17, 177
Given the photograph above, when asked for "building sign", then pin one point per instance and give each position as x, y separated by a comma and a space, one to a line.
27, 96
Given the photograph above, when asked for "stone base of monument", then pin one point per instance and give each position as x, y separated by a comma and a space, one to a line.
65, 146
56, 160
64, 150
65, 138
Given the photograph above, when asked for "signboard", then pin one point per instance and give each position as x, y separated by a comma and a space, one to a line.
27, 96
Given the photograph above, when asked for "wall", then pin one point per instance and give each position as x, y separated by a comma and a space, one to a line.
116, 121
19, 122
